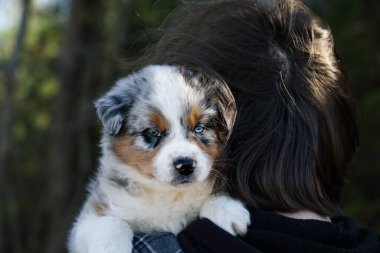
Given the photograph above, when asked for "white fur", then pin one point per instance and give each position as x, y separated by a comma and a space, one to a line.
146, 204
227, 213
177, 148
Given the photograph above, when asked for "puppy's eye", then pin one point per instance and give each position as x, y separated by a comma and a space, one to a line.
199, 128
152, 132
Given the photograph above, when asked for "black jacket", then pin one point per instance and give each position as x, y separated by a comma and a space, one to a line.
273, 233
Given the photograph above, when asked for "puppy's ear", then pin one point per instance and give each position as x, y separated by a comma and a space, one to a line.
188, 72
191, 75
113, 107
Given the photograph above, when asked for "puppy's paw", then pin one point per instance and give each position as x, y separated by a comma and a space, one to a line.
111, 247
227, 213
101, 235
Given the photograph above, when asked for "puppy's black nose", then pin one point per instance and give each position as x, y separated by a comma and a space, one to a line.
184, 165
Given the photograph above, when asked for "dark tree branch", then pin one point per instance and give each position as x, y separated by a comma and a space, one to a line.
6, 137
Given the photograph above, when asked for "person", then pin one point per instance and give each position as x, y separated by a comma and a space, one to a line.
295, 130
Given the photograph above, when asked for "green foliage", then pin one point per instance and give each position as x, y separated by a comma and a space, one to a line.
152, 12
35, 89
37, 86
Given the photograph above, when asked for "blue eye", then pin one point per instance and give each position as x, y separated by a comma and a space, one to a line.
199, 128
152, 132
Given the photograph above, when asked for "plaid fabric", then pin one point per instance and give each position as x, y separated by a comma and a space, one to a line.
156, 243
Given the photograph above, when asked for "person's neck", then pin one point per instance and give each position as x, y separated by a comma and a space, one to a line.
306, 215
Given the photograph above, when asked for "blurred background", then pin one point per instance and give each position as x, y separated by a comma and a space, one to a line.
57, 56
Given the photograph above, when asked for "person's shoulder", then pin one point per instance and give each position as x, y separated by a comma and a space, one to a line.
289, 235
203, 236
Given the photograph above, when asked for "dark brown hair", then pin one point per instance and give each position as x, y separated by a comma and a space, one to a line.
295, 129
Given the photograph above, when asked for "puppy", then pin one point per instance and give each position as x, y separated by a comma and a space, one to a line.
164, 127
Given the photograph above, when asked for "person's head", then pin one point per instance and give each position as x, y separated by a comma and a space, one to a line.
295, 129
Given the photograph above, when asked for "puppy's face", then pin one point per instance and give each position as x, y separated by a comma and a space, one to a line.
168, 123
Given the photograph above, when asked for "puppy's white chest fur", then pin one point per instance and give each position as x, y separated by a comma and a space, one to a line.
147, 209
140, 209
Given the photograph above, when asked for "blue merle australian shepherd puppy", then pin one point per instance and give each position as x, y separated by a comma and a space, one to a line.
164, 131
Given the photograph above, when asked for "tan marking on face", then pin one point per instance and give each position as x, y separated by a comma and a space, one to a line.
100, 208
194, 116
211, 149
159, 121
140, 160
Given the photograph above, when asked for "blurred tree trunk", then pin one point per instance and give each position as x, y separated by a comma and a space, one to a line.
7, 193
82, 64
